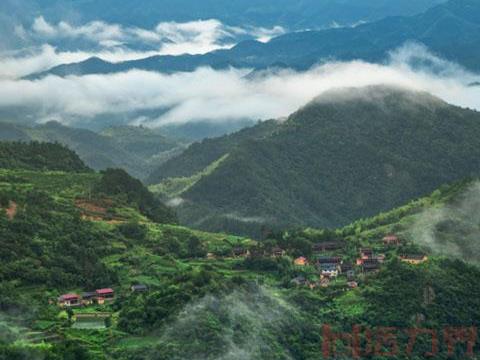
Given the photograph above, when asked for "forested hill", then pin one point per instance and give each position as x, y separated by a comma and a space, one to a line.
349, 154
39, 156
135, 149
199, 155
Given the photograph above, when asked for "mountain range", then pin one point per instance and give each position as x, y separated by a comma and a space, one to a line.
350, 153
260, 13
451, 30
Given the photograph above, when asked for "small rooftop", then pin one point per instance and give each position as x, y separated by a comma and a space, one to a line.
67, 297
104, 291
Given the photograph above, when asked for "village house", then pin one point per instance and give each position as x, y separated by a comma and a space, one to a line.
366, 253
370, 265
69, 300
328, 246
414, 259
380, 258
330, 270
301, 261
139, 288
329, 260
391, 240
105, 295
277, 252
89, 298
240, 252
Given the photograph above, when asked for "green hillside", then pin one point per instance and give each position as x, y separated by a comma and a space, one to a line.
201, 154
207, 297
134, 149
349, 154
39, 156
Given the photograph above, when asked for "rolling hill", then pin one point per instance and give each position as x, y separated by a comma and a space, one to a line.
348, 154
134, 149
450, 30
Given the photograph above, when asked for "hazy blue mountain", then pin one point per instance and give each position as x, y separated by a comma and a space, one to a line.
295, 15
347, 155
451, 30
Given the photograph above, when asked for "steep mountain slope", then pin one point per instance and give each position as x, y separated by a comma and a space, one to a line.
199, 155
451, 30
349, 154
131, 148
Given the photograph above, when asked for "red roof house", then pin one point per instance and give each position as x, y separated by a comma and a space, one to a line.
106, 293
68, 300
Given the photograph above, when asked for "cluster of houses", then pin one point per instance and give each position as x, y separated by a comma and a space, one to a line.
99, 296
330, 267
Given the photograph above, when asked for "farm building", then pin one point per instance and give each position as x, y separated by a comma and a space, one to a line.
69, 300
328, 246
88, 298
105, 295
240, 252
278, 252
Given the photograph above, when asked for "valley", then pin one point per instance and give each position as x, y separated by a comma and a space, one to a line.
357, 273
239, 180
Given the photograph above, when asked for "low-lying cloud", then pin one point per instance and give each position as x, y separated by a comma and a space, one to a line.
114, 43
243, 325
452, 230
220, 96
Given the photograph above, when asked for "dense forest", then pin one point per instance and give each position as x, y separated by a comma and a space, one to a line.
39, 156
135, 149
201, 154
349, 154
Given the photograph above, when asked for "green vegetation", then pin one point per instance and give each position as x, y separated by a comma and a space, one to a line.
39, 156
211, 295
349, 154
201, 155
117, 182
172, 187
135, 149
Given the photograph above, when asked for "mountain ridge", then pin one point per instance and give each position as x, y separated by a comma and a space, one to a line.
449, 30
325, 166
